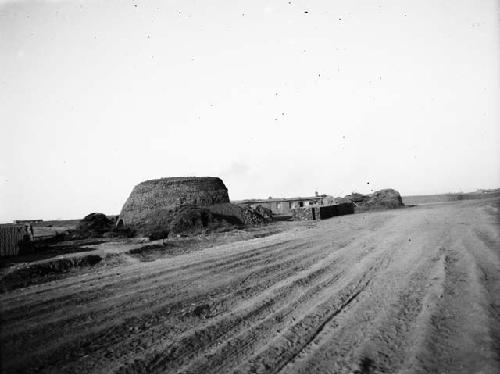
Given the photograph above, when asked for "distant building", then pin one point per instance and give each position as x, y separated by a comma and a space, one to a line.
284, 206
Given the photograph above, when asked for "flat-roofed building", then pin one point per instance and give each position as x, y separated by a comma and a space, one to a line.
283, 206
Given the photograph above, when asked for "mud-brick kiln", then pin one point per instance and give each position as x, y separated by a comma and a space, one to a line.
154, 202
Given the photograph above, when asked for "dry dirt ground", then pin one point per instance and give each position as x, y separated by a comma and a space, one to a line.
414, 290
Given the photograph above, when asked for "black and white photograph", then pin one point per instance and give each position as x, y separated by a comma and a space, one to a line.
235, 186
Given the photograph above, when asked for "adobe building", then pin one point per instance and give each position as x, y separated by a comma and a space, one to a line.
284, 206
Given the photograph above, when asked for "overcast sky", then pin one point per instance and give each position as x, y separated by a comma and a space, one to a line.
278, 98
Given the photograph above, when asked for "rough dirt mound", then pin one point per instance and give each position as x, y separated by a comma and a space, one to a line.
191, 220
94, 225
230, 213
251, 216
241, 214
383, 199
357, 198
154, 203
387, 198
266, 213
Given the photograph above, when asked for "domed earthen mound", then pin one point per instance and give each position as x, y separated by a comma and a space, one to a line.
383, 199
387, 198
94, 225
154, 203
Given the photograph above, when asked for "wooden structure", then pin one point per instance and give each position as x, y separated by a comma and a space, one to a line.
12, 238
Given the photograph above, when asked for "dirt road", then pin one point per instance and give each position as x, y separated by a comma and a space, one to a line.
407, 291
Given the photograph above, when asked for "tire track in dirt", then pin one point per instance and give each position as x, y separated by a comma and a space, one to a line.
310, 277
275, 355
172, 306
233, 320
405, 336
137, 276
110, 290
288, 305
193, 343
106, 333
311, 260
403, 291
372, 334
151, 284
463, 331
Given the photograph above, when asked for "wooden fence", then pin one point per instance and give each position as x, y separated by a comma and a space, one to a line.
11, 237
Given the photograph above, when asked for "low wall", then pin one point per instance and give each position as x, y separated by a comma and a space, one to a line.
342, 209
322, 212
305, 214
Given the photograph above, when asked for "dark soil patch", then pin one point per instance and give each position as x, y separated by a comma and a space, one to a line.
48, 248
153, 252
94, 225
266, 233
45, 271
282, 218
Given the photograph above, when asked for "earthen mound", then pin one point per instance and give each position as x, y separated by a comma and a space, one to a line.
387, 198
153, 204
191, 220
251, 216
266, 213
241, 215
94, 225
384, 199
195, 220
357, 198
